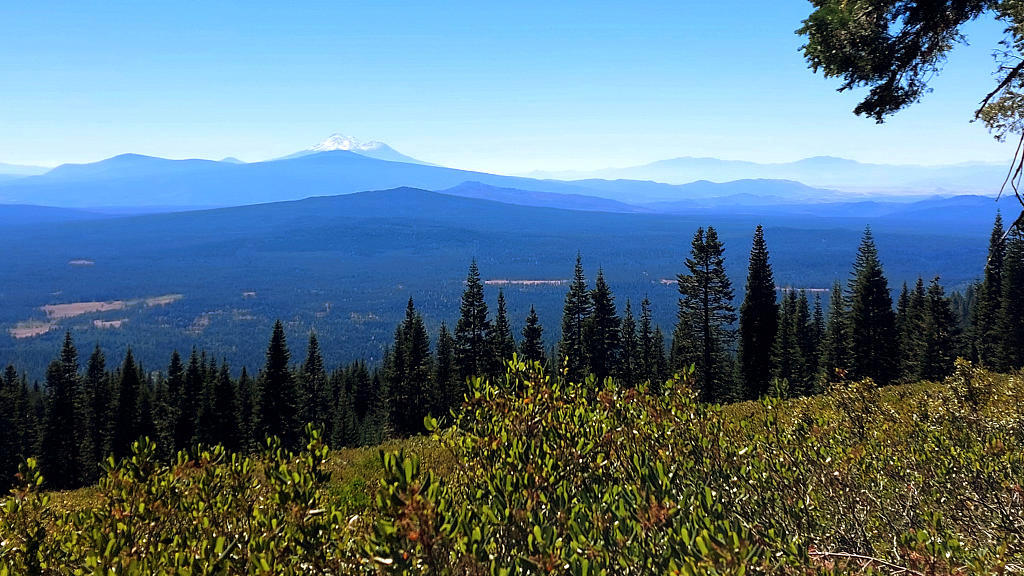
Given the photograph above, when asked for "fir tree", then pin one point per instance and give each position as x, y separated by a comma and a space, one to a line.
279, 396
818, 333
911, 329
99, 400
988, 305
175, 401
316, 395
128, 420
246, 411
939, 334
193, 381
472, 353
602, 331
446, 378
787, 353
226, 409
500, 338
759, 321
706, 313
873, 341
629, 354
1010, 328
650, 348
63, 463
532, 345
410, 373
807, 344
835, 353
572, 349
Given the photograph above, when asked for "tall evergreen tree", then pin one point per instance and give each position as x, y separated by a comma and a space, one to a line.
759, 319
246, 411
279, 395
988, 306
873, 341
939, 334
99, 399
650, 348
175, 401
63, 463
316, 396
629, 353
835, 352
410, 374
500, 338
787, 352
10, 441
572, 349
808, 345
472, 353
226, 409
602, 331
193, 381
911, 329
532, 345
818, 332
703, 333
128, 421
446, 378
1011, 310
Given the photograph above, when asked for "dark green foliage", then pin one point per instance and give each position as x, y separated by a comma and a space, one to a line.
703, 333
629, 365
653, 366
472, 354
226, 410
1011, 312
572, 349
129, 413
989, 299
279, 395
787, 352
759, 321
99, 399
911, 314
316, 397
531, 348
938, 335
409, 369
873, 339
602, 331
835, 353
64, 427
500, 338
446, 376
892, 47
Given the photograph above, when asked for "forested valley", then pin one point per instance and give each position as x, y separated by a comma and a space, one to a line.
795, 378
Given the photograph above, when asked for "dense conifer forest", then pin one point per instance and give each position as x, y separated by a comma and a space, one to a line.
776, 344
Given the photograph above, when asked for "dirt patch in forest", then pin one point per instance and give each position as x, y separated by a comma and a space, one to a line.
502, 282
30, 329
62, 311
109, 323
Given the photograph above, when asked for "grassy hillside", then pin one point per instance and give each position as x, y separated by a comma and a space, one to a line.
541, 476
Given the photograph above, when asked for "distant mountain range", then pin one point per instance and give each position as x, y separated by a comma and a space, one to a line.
372, 149
343, 165
132, 180
822, 171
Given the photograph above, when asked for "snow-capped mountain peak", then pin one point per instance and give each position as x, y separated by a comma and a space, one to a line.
342, 142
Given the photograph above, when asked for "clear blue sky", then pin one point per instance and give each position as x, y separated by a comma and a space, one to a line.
506, 87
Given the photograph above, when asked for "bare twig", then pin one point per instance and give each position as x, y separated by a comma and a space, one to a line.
869, 559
